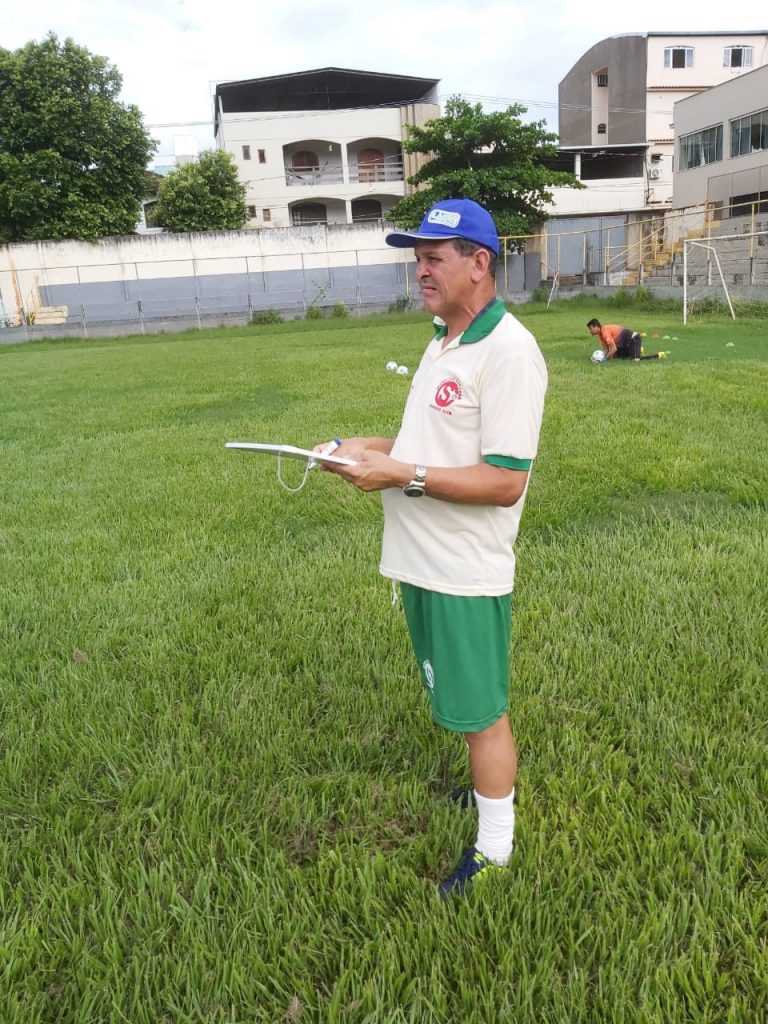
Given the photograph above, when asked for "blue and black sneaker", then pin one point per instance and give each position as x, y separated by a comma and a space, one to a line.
472, 866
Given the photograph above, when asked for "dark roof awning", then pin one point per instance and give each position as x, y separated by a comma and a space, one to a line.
323, 89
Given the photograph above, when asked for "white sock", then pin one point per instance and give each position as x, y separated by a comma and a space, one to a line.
496, 827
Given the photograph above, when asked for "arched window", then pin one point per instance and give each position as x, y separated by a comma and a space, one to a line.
365, 209
370, 165
305, 160
309, 213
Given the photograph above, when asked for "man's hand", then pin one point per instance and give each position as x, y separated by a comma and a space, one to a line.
375, 471
353, 448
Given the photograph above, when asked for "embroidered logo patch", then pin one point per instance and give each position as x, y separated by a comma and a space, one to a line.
448, 392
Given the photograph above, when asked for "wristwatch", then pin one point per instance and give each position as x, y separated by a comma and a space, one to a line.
416, 487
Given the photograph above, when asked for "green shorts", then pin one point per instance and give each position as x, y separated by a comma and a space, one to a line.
462, 647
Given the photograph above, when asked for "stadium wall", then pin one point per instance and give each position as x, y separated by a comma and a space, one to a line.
168, 281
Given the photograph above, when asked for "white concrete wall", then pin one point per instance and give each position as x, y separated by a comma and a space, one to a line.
26, 267
602, 195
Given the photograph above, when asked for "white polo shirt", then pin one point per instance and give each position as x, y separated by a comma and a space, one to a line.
480, 399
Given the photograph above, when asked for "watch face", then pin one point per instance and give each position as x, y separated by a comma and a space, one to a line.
413, 489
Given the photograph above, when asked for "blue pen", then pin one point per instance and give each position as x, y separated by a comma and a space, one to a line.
329, 449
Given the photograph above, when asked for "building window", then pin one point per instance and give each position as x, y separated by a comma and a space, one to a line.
602, 128
266, 216
305, 160
749, 134
309, 213
678, 57
699, 148
246, 152
365, 210
737, 57
262, 156
745, 206
602, 79
251, 212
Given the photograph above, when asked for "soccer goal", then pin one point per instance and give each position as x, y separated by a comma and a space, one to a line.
713, 266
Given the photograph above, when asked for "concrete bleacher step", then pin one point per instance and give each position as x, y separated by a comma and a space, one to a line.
51, 315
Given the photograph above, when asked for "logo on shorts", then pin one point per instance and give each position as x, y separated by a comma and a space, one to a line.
429, 673
448, 392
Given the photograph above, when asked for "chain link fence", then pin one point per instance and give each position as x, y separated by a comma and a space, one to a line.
143, 297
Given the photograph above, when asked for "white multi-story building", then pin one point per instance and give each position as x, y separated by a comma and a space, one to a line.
323, 146
616, 120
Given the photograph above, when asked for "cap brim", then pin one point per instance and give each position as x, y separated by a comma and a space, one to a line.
407, 239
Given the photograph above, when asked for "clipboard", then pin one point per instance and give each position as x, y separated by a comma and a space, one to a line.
288, 451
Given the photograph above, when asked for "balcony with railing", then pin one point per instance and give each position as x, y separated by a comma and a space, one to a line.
318, 162
314, 174
387, 168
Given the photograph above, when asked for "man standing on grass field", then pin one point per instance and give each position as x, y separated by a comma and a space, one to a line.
453, 483
621, 342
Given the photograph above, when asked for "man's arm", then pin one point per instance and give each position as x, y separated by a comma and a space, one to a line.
482, 484
350, 445
608, 341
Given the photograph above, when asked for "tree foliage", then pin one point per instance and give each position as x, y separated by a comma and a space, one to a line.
495, 159
72, 157
202, 196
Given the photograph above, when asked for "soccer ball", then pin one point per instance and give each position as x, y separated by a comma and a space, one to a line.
402, 370
392, 365
598, 356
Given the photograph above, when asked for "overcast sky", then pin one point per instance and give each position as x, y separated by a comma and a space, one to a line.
171, 53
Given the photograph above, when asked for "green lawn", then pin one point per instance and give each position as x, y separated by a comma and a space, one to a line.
220, 788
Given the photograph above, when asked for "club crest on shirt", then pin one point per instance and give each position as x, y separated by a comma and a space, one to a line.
448, 391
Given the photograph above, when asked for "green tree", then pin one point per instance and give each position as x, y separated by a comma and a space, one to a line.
202, 196
72, 157
495, 159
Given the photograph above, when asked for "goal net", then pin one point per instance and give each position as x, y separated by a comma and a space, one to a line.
717, 268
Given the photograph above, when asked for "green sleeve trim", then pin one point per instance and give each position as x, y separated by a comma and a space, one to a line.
508, 463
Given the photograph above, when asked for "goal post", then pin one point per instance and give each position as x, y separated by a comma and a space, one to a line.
711, 249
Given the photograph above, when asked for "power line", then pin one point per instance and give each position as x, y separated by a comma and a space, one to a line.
508, 100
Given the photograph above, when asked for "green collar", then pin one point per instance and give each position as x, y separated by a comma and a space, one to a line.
486, 320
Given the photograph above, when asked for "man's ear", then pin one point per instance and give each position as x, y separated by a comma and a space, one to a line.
481, 260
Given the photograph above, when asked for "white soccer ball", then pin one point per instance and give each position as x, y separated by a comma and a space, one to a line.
402, 370
392, 365
598, 356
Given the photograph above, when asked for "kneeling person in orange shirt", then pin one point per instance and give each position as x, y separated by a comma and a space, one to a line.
620, 342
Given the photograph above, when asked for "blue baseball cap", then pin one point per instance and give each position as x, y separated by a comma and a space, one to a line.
451, 218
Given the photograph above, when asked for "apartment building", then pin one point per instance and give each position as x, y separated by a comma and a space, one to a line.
322, 146
616, 111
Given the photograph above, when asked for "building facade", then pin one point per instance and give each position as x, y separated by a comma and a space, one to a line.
323, 146
616, 110
721, 147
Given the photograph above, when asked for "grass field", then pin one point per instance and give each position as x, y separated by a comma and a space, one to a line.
221, 791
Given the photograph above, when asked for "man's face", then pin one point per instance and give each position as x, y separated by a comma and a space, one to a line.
446, 278
593, 330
